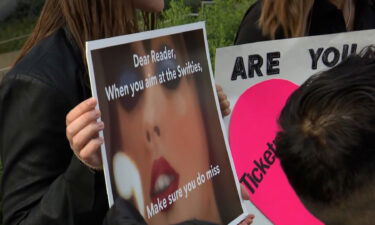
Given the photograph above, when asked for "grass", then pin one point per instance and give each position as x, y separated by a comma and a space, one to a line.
15, 28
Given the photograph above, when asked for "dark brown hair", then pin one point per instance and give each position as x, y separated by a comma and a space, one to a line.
86, 20
326, 141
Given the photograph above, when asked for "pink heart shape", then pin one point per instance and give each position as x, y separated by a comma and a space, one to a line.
252, 129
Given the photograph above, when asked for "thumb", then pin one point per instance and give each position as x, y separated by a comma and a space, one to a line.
244, 193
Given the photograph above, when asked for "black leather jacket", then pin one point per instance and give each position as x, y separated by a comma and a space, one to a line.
43, 182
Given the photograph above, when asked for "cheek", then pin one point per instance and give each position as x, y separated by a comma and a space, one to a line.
133, 140
183, 103
186, 129
133, 137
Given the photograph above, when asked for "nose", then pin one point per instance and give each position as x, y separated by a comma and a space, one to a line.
153, 118
152, 133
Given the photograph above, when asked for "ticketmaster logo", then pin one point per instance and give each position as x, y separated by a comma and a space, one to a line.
259, 169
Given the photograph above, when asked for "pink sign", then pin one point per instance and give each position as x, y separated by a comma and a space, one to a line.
252, 130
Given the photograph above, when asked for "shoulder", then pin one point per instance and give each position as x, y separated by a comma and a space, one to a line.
371, 3
366, 9
51, 63
253, 13
249, 30
363, 5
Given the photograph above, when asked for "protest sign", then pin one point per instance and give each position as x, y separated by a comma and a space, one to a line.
258, 78
165, 150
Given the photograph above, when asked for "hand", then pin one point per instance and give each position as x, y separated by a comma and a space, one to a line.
82, 132
248, 220
223, 101
245, 196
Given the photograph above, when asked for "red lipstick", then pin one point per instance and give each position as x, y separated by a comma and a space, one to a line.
164, 181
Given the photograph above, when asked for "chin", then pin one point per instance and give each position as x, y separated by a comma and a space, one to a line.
150, 6
158, 7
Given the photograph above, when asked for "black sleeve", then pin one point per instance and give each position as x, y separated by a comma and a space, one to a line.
123, 213
249, 30
43, 182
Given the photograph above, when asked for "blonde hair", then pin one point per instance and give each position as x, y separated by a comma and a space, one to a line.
288, 15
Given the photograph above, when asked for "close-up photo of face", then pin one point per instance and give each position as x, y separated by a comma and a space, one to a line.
165, 131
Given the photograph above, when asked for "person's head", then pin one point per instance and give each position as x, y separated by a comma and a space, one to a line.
91, 19
326, 142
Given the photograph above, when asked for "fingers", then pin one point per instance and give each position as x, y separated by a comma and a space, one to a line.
223, 101
222, 96
248, 220
90, 154
80, 109
245, 196
218, 88
82, 121
224, 104
82, 130
244, 193
225, 108
82, 138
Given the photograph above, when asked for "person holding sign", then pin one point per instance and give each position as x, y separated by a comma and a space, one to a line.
164, 147
270, 20
326, 143
43, 181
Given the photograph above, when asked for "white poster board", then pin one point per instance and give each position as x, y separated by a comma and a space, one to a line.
165, 151
258, 78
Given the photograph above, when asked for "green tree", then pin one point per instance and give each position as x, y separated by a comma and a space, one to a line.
178, 13
222, 17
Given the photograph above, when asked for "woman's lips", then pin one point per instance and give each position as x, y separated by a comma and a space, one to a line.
164, 181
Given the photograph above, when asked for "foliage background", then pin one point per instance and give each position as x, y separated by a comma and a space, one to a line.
223, 18
20, 23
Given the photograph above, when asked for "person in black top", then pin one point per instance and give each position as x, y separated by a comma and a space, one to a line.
43, 181
268, 20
